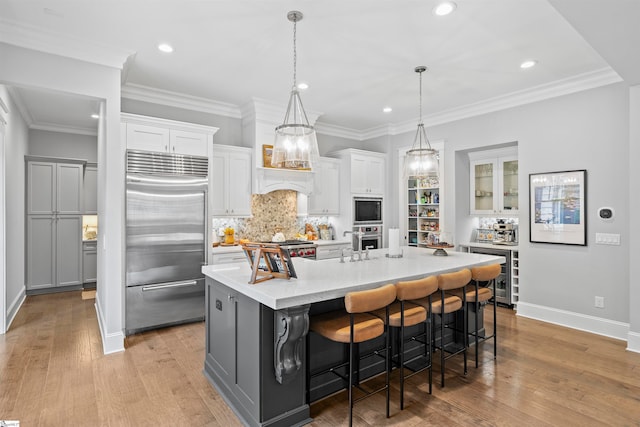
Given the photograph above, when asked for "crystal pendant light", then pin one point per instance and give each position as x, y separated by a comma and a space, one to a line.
422, 160
295, 144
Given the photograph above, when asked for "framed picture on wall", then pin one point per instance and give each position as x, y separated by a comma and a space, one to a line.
267, 152
558, 207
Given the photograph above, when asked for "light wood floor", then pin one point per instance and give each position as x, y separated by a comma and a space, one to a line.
53, 373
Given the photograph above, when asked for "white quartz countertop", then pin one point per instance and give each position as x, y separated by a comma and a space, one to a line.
490, 246
329, 279
238, 248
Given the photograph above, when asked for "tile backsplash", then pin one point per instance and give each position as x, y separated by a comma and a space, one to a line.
272, 212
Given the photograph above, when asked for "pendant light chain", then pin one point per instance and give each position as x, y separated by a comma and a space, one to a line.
420, 73
295, 52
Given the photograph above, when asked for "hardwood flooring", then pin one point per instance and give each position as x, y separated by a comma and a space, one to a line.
53, 373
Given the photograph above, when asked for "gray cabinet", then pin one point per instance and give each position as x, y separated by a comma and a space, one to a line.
89, 262
90, 189
54, 188
240, 360
54, 256
54, 194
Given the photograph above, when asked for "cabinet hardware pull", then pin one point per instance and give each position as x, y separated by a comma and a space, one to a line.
169, 285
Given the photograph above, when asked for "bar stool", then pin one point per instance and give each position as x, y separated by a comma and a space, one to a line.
355, 325
478, 292
403, 313
449, 304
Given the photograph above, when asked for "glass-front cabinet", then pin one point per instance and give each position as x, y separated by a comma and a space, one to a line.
494, 182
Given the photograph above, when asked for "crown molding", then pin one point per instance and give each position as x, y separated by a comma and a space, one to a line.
52, 127
581, 82
21, 106
271, 112
32, 37
174, 99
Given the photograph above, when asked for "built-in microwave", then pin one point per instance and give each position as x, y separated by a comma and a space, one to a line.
367, 210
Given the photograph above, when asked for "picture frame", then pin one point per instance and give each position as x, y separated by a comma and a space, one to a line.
267, 152
558, 207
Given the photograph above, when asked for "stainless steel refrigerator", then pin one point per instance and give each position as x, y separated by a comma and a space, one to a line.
166, 211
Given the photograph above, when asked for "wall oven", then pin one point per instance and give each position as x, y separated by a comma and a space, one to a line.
371, 238
367, 210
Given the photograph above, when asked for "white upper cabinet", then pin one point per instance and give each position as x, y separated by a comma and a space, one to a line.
325, 199
167, 136
192, 143
494, 182
230, 182
365, 171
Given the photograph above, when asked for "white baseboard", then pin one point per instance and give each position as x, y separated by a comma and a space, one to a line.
583, 322
14, 307
633, 341
111, 342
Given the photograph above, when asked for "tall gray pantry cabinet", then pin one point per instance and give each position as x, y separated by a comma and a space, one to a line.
54, 222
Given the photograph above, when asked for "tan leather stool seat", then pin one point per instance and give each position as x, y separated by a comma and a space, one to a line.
335, 326
451, 303
484, 294
413, 314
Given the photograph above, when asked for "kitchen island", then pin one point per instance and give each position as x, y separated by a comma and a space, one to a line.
256, 333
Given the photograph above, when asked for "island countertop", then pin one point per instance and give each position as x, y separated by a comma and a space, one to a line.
322, 280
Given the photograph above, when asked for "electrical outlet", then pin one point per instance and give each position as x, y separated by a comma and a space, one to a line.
599, 303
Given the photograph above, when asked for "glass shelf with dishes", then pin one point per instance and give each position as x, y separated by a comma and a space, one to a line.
423, 208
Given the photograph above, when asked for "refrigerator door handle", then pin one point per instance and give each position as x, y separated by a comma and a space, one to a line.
169, 285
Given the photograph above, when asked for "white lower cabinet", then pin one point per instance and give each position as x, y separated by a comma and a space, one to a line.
331, 250
54, 251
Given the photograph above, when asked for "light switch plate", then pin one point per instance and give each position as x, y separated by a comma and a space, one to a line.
607, 239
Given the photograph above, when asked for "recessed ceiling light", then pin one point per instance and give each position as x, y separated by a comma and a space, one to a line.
444, 8
303, 86
95, 116
387, 109
165, 47
528, 64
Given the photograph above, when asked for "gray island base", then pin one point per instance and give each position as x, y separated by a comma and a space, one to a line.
256, 334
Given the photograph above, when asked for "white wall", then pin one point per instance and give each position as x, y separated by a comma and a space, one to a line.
35, 69
633, 340
586, 130
65, 145
16, 136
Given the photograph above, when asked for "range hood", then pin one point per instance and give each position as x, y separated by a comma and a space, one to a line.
259, 120
272, 179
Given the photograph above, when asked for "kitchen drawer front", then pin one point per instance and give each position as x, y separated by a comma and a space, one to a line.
228, 258
332, 251
150, 306
90, 246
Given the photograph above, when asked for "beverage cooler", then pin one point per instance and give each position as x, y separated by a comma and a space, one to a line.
503, 281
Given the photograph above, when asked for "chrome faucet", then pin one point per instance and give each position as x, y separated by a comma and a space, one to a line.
359, 235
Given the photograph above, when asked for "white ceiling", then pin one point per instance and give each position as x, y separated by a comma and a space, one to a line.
357, 56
